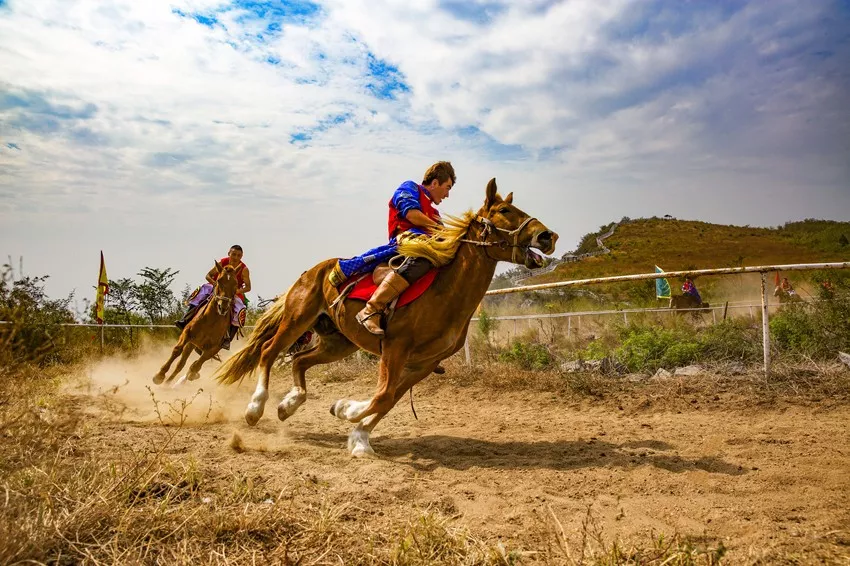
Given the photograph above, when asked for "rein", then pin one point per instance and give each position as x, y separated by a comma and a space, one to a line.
219, 299
488, 229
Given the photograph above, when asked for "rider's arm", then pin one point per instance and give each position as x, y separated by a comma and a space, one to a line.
417, 218
246, 279
211, 275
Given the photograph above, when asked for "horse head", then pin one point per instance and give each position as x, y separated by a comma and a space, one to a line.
510, 234
226, 286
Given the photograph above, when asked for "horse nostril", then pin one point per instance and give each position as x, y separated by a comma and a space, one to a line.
545, 238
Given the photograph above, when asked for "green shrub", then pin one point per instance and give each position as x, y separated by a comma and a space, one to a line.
527, 355
731, 340
647, 348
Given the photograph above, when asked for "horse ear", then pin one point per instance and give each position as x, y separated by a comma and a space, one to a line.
218, 266
491, 193
510, 198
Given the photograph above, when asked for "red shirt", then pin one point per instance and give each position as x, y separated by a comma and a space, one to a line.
226, 261
397, 224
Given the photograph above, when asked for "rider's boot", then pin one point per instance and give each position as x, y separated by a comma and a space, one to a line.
391, 287
228, 338
181, 324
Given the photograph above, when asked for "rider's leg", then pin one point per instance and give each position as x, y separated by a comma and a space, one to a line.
195, 304
236, 322
390, 288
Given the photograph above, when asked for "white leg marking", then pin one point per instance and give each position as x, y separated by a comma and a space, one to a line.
257, 405
290, 403
349, 410
179, 382
358, 442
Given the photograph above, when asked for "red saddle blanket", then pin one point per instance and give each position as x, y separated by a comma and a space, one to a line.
365, 288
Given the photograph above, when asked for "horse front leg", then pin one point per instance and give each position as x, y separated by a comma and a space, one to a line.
393, 360
358, 439
175, 352
187, 351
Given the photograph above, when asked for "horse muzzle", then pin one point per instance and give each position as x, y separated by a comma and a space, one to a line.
544, 241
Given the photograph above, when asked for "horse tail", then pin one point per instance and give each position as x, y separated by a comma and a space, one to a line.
246, 360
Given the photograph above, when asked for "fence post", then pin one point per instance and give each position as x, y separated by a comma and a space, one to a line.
569, 325
466, 350
101, 339
714, 315
765, 324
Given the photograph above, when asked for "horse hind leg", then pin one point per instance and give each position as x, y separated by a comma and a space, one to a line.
299, 318
331, 348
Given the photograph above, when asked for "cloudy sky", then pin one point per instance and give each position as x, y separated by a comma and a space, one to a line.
162, 131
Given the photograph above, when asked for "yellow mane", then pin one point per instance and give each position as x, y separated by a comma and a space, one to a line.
441, 245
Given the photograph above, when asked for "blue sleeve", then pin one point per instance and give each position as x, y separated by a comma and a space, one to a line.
406, 198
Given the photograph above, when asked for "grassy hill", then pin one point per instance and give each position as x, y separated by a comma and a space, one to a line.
638, 245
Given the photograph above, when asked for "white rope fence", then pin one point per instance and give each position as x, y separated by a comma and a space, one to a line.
761, 269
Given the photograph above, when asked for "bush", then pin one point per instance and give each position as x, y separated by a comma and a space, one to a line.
731, 340
32, 331
528, 355
649, 348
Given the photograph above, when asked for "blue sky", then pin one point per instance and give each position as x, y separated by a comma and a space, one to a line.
163, 131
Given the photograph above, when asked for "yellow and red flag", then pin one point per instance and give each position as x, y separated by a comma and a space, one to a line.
102, 290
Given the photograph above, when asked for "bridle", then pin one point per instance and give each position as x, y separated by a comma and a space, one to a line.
222, 303
489, 227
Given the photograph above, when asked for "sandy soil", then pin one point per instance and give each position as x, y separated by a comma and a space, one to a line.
772, 482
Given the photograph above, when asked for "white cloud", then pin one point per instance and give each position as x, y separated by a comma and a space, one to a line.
588, 110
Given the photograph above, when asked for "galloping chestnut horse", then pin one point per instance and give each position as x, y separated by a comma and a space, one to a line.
418, 336
205, 331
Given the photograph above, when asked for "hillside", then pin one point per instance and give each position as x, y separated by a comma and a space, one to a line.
638, 245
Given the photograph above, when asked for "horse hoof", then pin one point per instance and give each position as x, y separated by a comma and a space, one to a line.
193, 375
158, 378
333, 407
253, 414
363, 452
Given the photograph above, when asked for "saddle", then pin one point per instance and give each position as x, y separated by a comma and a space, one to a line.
365, 287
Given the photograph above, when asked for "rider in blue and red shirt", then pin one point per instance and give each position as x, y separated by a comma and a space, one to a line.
411, 209
688, 288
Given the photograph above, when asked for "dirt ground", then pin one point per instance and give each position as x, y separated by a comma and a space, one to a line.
771, 481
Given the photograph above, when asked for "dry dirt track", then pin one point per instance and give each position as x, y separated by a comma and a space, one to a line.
770, 482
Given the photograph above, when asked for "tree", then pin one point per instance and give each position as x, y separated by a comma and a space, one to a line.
32, 331
842, 241
154, 296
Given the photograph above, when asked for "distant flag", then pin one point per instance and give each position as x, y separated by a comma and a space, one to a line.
776, 279
662, 286
102, 290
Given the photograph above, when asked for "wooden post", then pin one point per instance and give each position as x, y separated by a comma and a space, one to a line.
569, 325
765, 324
101, 339
466, 350
725, 309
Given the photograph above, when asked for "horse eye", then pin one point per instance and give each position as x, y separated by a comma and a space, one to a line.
504, 210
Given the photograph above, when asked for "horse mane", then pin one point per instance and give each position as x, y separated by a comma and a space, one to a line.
440, 246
